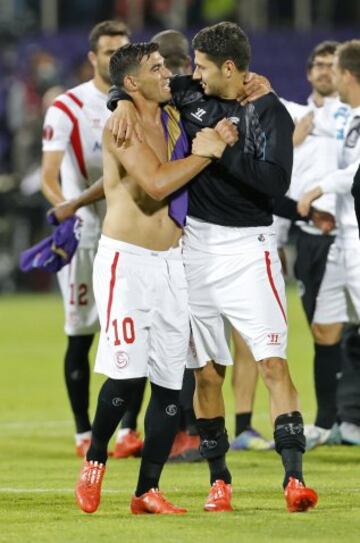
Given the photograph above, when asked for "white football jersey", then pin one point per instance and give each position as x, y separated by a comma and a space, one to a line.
340, 182
74, 124
317, 155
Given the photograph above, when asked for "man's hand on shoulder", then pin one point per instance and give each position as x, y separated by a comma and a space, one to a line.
123, 123
255, 86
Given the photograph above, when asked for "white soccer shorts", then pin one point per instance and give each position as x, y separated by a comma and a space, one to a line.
340, 284
142, 302
234, 277
75, 281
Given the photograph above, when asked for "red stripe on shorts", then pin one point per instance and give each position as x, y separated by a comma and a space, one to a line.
272, 284
111, 289
75, 136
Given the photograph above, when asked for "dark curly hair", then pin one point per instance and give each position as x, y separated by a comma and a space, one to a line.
224, 41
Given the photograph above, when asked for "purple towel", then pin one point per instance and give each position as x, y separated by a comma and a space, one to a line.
178, 147
55, 251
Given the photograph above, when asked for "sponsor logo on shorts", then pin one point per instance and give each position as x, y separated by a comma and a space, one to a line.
171, 410
121, 359
273, 339
117, 402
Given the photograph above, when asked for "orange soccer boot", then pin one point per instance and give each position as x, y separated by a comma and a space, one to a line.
154, 502
219, 498
299, 497
88, 486
127, 445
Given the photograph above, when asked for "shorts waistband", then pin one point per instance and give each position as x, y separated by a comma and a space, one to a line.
174, 253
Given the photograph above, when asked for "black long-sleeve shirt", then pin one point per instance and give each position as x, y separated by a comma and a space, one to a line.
355, 191
239, 188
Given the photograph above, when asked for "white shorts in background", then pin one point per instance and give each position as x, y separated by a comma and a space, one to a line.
234, 277
75, 281
340, 282
142, 302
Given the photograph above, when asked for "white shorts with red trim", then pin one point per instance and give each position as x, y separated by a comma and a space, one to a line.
234, 279
75, 281
339, 295
142, 301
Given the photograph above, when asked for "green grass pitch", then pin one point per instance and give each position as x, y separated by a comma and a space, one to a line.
38, 468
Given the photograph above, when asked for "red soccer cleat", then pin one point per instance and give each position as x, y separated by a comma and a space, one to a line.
185, 448
299, 497
154, 502
82, 447
219, 498
88, 486
128, 445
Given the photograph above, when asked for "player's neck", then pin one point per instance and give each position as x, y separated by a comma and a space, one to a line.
148, 110
319, 99
353, 98
234, 87
100, 84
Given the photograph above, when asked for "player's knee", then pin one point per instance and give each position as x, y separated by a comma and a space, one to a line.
273, 369
210, 377
326, 334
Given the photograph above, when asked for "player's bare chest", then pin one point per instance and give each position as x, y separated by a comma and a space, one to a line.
155, 138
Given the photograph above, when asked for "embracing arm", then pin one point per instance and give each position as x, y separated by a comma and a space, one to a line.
156, 178
66, 209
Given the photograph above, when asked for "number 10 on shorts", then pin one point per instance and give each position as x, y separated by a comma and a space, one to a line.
125, 330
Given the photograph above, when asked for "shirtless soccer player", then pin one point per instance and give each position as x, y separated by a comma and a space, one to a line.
139, 281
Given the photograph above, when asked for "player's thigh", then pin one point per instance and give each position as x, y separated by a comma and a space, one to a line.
75, 281
170, 327
123, 297
254, 301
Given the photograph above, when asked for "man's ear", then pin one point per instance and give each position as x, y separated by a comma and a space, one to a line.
228, 68
130, 83
92, 58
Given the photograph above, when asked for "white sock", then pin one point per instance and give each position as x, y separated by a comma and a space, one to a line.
80, 437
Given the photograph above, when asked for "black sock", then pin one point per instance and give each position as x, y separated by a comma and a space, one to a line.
112, 402
327, 364
129, 419
77, 379
188, 419
242, 422
161, 424
213, 447
290, 444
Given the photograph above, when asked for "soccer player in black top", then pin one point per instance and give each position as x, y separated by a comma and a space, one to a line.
230, 255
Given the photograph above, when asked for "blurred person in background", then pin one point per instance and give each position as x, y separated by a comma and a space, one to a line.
318, 126
72, 135
340, 284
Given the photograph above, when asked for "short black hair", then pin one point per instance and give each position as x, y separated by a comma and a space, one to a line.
322, 49
348, 54
107, 28
224, 41
127, 59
